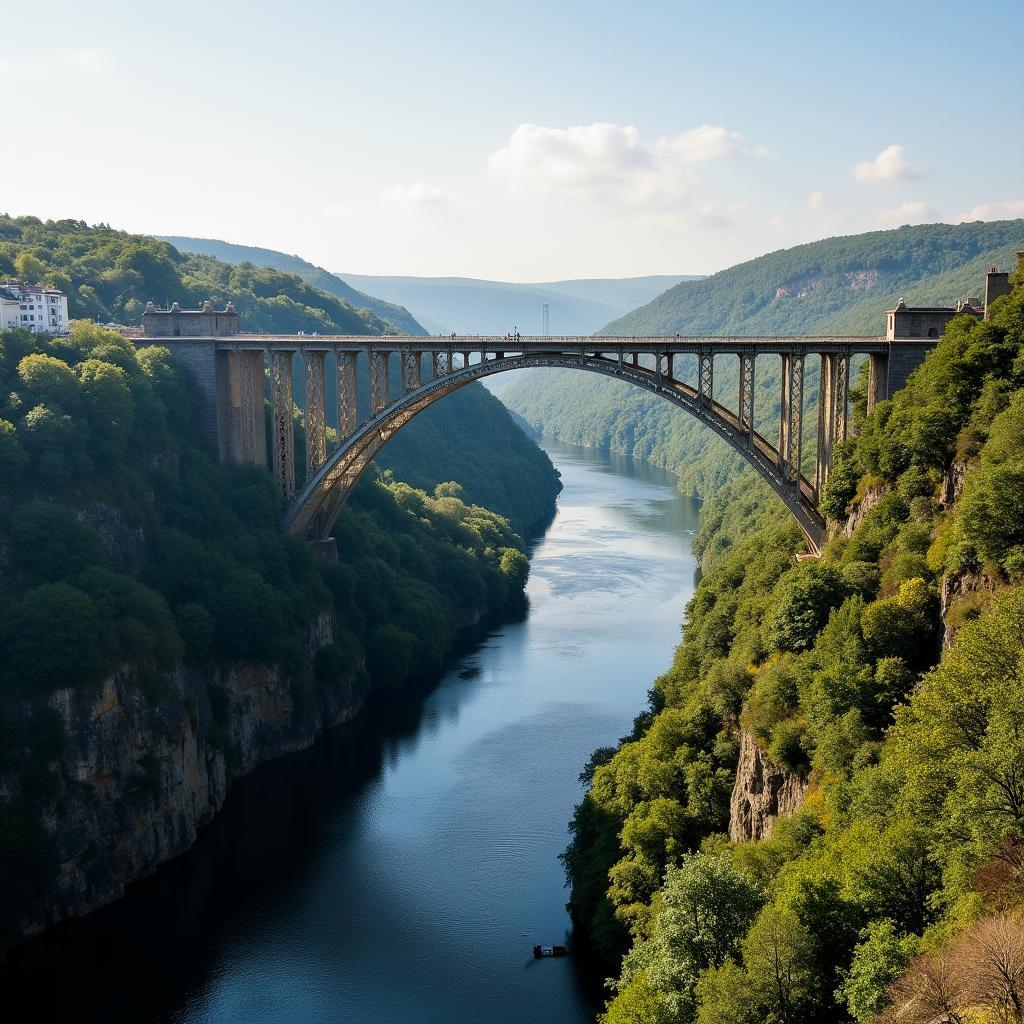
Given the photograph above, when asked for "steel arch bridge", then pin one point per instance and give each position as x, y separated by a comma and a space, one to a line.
232, 371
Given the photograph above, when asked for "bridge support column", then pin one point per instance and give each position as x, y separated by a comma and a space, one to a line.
878, 379
706, 376
791, 419
411, 371
825, 427
284, 431
348, 401
229, 407
833, 398
380, 390
745, 404
316, 428
253, 417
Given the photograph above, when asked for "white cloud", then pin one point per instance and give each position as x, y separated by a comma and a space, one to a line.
338, 210
417, 195
818, 202
611, 162
890, 165
1008, 210
708, 142
914, 211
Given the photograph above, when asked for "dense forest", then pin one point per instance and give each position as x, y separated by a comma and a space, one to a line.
122, 541
887, 679
839, 285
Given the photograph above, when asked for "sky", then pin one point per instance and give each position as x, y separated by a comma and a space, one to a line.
515, 141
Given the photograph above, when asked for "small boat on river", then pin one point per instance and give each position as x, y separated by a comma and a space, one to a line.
540, 952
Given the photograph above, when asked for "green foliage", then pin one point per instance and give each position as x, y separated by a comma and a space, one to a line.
704, 910
51, 636
880, 958
804, 601
914, 817
110, 275
124, 547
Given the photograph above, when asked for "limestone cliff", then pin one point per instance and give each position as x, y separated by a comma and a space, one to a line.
150, 758
762, 793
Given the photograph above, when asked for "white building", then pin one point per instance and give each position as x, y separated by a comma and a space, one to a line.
33, 307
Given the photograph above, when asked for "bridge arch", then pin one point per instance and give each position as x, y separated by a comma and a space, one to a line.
314, 509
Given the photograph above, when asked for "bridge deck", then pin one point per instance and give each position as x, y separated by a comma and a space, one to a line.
537, 344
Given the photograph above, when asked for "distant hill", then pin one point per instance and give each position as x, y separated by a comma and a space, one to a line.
840, 285
471, 306
316, 276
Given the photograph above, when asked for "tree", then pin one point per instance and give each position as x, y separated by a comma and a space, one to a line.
880, 957
802, 602
515, 567
704, 910
50, 543
29, 268
50, 637
109, 405
13, 457
51, 381
777, 955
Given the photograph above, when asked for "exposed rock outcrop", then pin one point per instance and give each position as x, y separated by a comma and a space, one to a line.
872, 496
150, 758
953, 483
762, 793
962, 595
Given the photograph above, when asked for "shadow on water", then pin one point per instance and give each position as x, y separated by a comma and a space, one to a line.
139, 958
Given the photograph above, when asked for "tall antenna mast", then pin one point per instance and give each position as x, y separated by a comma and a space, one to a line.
545, 328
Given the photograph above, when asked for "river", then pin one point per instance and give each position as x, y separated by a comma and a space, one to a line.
403, 869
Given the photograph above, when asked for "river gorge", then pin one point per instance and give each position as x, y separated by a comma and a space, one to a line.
403, 868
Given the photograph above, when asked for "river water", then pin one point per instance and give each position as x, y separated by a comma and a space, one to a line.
401, 871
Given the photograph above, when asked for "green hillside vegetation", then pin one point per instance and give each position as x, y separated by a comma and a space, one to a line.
839, 285
110, 275
121, 540
896, 892
398, 317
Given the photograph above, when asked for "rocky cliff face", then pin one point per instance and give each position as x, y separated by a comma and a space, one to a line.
149, 759
762, 793
872, 496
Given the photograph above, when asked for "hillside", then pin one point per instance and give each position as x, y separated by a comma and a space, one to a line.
227, 252
109, 275
469, 306
840, 285
819, 818
161, 637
